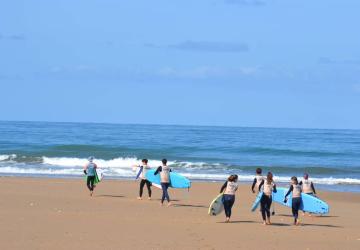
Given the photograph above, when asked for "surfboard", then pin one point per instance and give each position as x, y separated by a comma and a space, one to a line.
138, 171
176, 180
256, 202
98, 176
310, 204
216, 206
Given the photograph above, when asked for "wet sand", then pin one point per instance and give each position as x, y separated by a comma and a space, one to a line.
39, 213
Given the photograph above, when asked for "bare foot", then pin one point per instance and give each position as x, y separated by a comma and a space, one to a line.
149, 198
227, 220
91, 193
264, 223
161, 204
139, 198
169, 204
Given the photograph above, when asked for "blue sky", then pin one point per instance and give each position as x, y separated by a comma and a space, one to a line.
269, 63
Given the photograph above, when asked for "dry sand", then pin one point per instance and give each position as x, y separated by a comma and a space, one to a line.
40, 213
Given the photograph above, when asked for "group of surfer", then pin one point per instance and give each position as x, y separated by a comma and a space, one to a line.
164, 171
266, 185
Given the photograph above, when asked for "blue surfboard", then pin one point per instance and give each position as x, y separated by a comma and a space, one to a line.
310, 204
176, 180
256, 202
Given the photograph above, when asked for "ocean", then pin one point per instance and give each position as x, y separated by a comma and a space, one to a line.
202, 153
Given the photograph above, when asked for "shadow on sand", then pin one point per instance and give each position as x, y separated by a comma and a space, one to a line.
320, 225
110, 196
312, 216
189, 205
255, 222
238, 221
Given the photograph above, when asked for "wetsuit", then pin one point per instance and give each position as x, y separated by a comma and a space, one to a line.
90, 171
257, 180
308, 187
266, 198
229, 196
164, 181
296, 199
144, 181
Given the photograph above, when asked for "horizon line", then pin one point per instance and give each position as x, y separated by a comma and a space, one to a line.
178, 125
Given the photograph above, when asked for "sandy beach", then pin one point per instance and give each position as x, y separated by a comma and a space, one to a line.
39, 213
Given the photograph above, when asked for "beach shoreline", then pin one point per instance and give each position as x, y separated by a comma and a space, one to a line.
343, 188
58, 213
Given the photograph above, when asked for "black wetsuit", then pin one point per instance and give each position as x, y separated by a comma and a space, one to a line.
228, 201
296, 203
312, 187
253, 185
265, 202
142, 184
148, 185
164, 186
90, 182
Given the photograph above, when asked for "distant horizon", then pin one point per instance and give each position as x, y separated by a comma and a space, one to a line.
179, 125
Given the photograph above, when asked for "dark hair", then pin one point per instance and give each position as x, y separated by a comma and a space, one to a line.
164, 161
145, 161
269, 177
294, 178
258, 170
306, 175
233, 177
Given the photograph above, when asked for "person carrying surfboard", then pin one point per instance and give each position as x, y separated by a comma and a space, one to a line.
307, 185
164, 171
257, 180
296, 190
90, 172
229, 189
267, 186
143, 169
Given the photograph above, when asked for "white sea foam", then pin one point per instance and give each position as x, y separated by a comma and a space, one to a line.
113, 163
280, 179
122, 167
7, 157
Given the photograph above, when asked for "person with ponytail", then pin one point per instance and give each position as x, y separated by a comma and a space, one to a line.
267, 186
229, 189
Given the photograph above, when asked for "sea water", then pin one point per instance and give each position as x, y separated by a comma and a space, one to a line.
204, 153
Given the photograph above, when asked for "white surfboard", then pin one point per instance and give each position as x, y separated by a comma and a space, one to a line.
216, 206
100, 174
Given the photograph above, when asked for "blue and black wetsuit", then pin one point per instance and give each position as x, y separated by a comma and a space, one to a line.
266, 198
164, 181
296, 200
90, 172
229, 196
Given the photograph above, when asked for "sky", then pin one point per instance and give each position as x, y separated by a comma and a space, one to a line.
262, 63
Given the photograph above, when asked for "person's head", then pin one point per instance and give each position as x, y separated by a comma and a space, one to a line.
306, 176
258, 171
144, 161
164, 162
294, 180
269, 177
233, 178
91, 158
